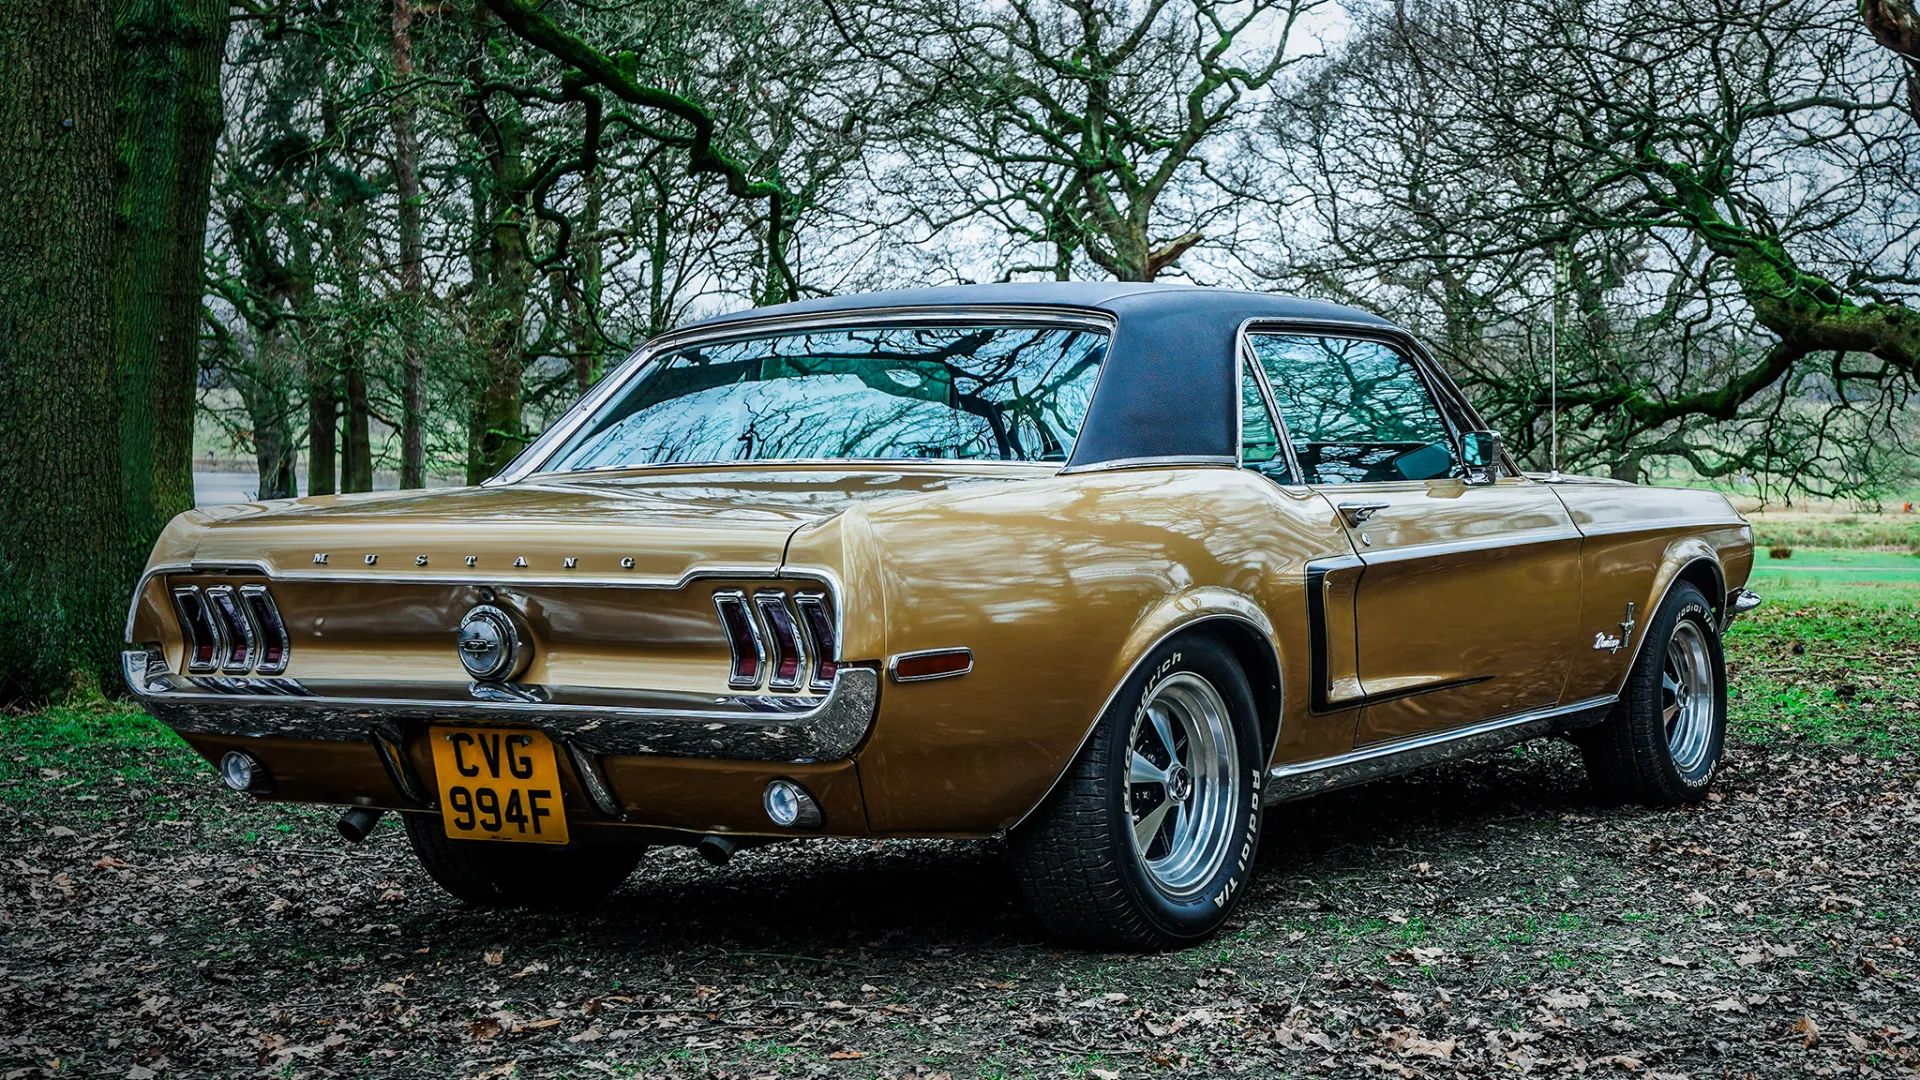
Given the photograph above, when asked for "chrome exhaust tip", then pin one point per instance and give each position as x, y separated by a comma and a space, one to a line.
717, 849
355, 824
791, 806
244, 772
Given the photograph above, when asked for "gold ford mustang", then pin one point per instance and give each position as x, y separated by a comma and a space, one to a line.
1107, 569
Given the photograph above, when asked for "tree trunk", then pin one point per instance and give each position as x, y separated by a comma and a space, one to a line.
323, 411
356, 443
502, 275
406, 179
168, 89
63, 539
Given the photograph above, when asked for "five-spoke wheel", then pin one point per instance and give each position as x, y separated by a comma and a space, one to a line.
1182, 781
1661, 745
1149, 838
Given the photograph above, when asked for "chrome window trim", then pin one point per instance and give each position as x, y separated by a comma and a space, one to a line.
527, 463
1452, 406
893, 664
1243, 352
1160, 462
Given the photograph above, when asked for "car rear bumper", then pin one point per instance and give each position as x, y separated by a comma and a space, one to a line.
748, 728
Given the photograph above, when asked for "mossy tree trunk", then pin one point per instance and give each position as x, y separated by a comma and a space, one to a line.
107, 127
167, 64
63, 535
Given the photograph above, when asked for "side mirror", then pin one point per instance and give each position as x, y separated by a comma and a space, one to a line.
1482, 455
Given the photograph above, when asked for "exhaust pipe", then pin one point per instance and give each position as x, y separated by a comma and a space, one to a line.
717, 849
355, 824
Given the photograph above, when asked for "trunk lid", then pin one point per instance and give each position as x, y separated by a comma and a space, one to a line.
654, 525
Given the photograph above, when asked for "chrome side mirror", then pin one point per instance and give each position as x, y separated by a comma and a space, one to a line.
1481, 454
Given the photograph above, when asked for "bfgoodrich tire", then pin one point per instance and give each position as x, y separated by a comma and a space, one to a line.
1661, 745
494, 873
1148, 840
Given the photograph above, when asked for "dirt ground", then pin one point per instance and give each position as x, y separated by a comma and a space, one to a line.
1487, 917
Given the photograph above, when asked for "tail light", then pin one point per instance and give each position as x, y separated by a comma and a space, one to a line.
743, 637
235, 628
272, 642
789, 656
197, 626
235, 631
781, 642
817, 620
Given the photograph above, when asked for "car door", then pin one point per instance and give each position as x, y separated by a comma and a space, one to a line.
1467, 592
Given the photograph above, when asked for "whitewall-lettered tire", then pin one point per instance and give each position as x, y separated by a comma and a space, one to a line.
1149, 839
1661, 745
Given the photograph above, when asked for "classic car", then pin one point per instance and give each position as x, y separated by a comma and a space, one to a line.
1103, 569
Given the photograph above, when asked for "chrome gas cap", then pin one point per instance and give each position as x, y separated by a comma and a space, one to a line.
490, 645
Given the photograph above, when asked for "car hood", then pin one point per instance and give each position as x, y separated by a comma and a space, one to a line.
657, 525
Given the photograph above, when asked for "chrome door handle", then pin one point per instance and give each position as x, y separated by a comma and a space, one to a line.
1355, 513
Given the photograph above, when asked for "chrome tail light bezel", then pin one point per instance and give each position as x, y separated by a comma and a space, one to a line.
236, 629
226, 630
783, 631
823, 638
196, 620
742, 629
780, 641
273, 646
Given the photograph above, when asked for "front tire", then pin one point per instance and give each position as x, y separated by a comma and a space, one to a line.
499, 874
1148, 840
1662, 744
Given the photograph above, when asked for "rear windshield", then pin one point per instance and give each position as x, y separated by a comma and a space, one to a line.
1011, 393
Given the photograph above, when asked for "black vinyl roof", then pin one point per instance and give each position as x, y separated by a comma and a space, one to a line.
1169, 386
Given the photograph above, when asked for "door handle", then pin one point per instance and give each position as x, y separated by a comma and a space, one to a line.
1355, 513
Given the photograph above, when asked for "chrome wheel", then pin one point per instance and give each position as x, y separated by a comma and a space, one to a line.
1687, 696
1183, 784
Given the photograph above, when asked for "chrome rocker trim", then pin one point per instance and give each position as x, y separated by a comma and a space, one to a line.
1305, 778
760, 728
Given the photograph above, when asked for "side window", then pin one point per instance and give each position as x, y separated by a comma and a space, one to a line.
1259, 446
1356, 410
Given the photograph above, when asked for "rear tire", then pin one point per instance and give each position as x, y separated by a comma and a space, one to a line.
1148, 840
497, 874
1661, 745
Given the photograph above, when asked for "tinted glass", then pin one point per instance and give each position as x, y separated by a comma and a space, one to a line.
1356, 410
1000, 392
1258, 443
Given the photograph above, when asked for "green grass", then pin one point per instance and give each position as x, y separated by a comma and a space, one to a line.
76, 747
1828, 574
1832, 656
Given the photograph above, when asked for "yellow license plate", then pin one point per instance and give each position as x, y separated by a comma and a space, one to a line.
498, 784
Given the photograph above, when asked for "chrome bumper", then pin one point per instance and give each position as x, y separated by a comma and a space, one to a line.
1739, 602
760, 728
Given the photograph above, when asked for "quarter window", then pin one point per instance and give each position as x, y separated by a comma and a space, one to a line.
1258, 443
1356, 410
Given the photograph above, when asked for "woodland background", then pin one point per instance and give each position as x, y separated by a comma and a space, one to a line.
352, 238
